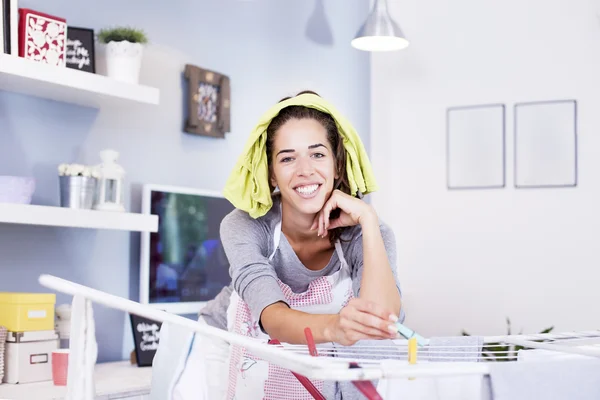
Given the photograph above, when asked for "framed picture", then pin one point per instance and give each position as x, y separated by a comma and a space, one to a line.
80, 49
475, 147
209, 102
545, 144
146, 335
46, 42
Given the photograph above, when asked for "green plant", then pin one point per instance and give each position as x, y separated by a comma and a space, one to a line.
121, 33
504, 352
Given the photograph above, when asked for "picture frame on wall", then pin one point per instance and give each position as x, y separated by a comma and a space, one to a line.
81, 52
545, 144
208, 102
476, 147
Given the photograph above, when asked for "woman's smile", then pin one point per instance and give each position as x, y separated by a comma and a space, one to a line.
308, 191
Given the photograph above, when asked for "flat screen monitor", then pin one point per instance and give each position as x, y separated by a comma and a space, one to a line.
183, 264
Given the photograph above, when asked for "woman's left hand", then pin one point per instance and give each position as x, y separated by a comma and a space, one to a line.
354, 211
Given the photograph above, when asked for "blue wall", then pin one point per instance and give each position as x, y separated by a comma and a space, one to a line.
261, 44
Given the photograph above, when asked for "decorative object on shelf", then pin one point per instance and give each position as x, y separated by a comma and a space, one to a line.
81, 53
9, 27
475, 147
124, 51
146, 335
60, 366
109, 190
63, 324
3, 335
209, 102
77, 186
545, 144
42, 37
16, 189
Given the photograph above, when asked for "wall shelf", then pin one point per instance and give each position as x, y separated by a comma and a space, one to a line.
114, 380
74, 218
24, 76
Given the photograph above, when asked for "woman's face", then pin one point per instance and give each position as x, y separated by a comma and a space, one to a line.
303, 166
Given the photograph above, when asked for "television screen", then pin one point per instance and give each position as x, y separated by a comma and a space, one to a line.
183, 264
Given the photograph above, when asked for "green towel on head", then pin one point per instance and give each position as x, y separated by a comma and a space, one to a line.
247, 187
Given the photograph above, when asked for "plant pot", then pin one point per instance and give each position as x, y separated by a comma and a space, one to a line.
77, 191
124, 60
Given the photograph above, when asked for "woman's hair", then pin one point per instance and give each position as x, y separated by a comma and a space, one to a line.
333, 136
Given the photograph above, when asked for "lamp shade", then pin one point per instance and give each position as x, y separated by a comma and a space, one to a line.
380, 32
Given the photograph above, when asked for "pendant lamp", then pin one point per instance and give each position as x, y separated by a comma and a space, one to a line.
380, 32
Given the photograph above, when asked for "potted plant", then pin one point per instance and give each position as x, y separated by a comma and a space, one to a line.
504, 352
124, 50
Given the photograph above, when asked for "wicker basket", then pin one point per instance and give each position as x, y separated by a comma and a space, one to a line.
3, 334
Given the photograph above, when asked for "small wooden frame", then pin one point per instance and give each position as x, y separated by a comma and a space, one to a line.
209, 102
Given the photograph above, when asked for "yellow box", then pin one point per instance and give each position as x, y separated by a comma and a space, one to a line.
23, 312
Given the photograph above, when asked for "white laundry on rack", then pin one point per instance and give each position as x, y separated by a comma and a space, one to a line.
558, 379
83, 351
460, 387
442, 349
370, 350
454, 348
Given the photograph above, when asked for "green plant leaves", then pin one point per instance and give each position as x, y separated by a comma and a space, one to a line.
499, 352
120, 34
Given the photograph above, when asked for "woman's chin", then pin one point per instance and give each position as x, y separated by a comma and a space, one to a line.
308, 206
310, 209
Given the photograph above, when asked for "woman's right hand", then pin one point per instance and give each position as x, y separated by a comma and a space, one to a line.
362, 320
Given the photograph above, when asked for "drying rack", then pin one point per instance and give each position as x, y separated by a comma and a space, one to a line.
373, 363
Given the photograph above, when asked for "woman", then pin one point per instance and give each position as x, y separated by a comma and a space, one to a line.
296, 255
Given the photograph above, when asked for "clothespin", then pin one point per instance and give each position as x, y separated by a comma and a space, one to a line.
409, 333
412, 353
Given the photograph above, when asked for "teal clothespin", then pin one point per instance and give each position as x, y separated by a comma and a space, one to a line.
409, 333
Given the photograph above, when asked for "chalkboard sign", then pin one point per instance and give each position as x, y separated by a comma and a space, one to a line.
146, 334
80, 49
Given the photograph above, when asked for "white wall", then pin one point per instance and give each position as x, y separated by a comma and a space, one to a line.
468, 259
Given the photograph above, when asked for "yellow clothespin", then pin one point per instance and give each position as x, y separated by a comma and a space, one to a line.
412, 353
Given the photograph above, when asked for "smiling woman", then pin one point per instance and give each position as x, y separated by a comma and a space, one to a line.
300, 258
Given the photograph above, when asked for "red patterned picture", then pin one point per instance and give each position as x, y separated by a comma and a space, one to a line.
42, 37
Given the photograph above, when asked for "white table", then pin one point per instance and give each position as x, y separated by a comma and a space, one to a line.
118, 380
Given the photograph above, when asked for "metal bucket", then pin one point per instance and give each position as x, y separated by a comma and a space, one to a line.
77, 191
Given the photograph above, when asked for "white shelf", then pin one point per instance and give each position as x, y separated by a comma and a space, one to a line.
115, 380
69, 85
73, 218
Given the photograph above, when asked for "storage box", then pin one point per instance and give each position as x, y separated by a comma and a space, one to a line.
28, 356
25, 312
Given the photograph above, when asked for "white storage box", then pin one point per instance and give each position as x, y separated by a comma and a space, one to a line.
3, 334
28, 356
